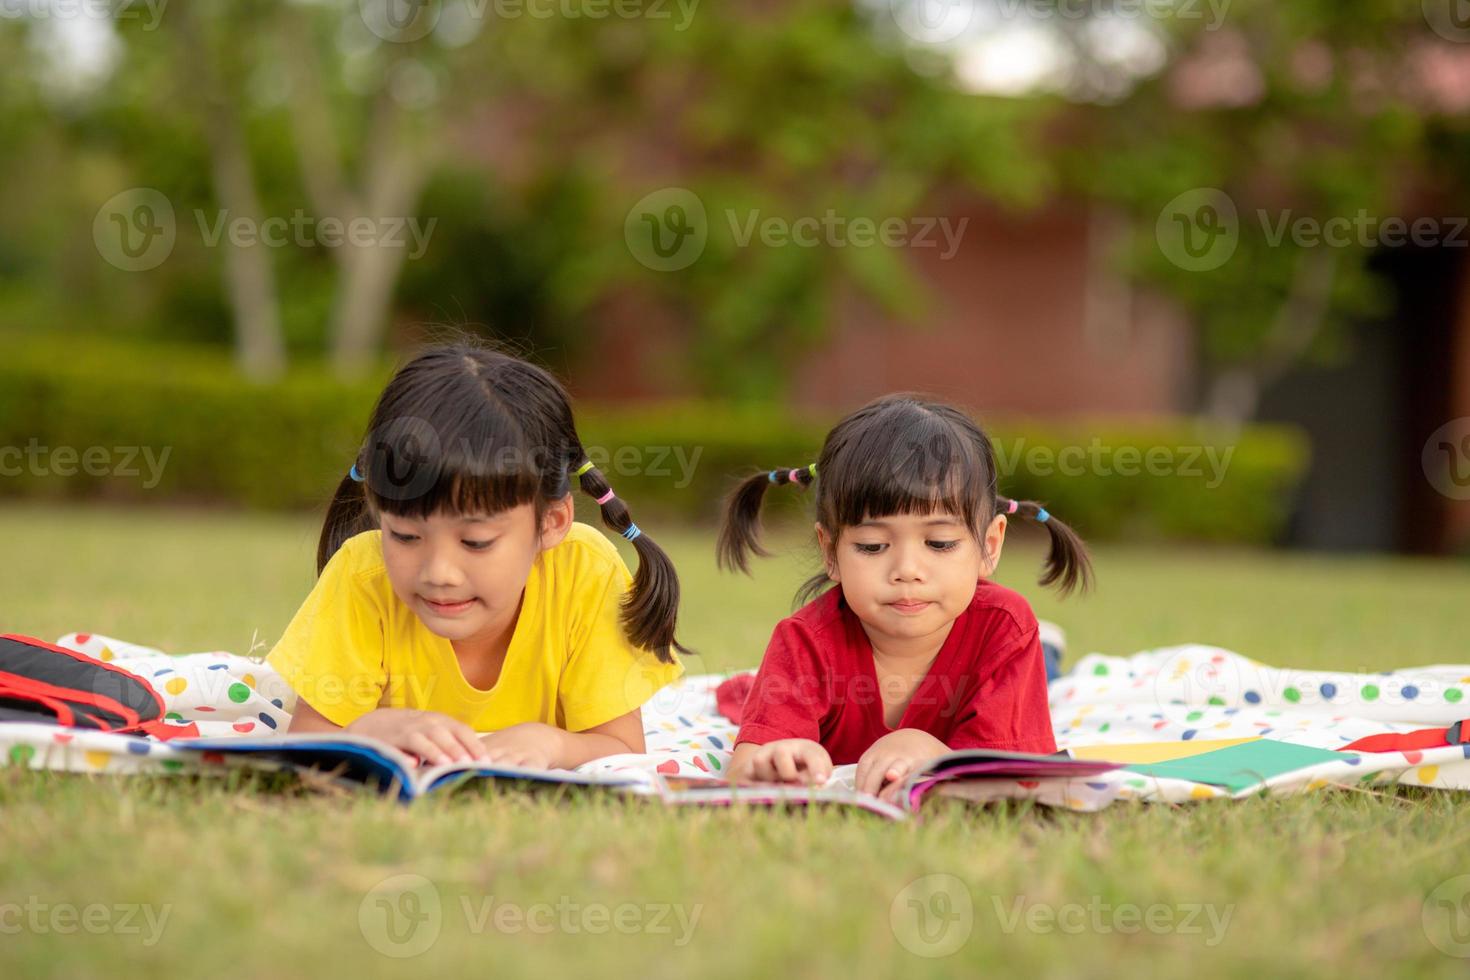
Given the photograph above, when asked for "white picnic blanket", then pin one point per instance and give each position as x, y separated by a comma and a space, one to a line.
226, 694
1177, 693
1203, 692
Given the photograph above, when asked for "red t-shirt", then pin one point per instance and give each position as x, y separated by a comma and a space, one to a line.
985, 689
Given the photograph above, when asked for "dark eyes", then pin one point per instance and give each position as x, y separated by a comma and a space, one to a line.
877, 549
411, 538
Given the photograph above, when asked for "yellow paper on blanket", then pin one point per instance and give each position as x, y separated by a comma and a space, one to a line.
1139, 752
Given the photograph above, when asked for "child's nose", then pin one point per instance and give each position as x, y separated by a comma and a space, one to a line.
908, 565
441, 571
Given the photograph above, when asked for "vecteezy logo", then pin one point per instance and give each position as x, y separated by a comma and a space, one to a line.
400, 20
404, 458
920, 464
932, 21
1198, 230
1450, 19
641, 684
667, 230
1192, 678
135, 230
932, 916
1445, 916
401, 916
1446, 459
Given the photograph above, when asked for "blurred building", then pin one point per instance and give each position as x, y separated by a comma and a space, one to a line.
1029, 319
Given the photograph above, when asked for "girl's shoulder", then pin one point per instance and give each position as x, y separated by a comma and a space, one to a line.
360, 555
356, 572
585, 547
993, 600
822, 615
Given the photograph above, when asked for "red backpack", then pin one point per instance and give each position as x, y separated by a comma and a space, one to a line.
40, 682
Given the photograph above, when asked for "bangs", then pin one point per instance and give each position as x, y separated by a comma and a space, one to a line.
455, 462
907, 461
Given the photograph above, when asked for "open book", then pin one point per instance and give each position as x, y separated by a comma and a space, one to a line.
710, 791
981, 765
988, 764
357, 759
370, 762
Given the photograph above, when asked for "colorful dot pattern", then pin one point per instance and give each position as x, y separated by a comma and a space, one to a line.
1176, 693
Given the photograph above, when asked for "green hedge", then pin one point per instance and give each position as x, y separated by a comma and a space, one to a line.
284, 446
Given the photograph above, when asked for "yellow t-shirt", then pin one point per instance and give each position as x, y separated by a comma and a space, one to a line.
354, 646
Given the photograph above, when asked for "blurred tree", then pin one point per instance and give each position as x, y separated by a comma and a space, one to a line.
790, 111
1298, 115
207, 61
395, 137
529, 131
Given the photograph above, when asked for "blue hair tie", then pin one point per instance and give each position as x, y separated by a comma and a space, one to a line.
772, 475
632, 532
1041, 515
356, 476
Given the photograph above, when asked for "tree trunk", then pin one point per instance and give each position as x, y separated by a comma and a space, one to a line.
250, 282
249, 279
366, 279
397, 165
395, 155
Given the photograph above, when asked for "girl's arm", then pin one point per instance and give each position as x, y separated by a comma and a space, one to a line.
306, 719
544, 746
622, 734
528, 744
435, 738
786, 760
893, 758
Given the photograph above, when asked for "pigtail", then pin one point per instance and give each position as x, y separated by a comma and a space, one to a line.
650, 610
740, 520
347, 515
1067, 565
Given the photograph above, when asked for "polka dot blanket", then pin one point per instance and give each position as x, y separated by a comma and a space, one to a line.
225, 694
1175, 694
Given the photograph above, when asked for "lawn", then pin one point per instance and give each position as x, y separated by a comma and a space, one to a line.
106, 876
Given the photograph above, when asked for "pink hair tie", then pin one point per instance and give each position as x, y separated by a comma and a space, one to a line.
1012, 508
606, 497
794, 475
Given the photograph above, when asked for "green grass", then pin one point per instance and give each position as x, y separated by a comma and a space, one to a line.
259, 879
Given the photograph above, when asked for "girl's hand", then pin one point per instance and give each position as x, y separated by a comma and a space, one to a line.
892, 759
435, 738
532, 744
786, 760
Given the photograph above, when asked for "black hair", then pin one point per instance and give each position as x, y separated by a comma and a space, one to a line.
899, 454
463, 428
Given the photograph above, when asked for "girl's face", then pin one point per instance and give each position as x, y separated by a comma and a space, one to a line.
463, 575
908, 575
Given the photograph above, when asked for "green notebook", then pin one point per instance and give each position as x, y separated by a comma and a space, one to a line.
1242, 766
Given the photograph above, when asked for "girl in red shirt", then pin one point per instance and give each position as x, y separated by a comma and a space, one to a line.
916, 652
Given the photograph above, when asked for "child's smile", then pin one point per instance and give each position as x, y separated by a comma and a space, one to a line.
462, 575
448, 608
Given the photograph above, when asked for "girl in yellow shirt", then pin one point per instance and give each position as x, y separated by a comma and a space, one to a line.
457, 596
